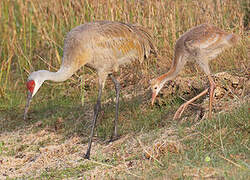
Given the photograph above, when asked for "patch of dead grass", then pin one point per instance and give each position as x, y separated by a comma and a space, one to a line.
57, 153
43, 150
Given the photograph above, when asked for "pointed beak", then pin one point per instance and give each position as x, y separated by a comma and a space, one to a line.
29, 97
153, 98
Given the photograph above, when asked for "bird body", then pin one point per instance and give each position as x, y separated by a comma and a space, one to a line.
200, 44
105, 45
102, 45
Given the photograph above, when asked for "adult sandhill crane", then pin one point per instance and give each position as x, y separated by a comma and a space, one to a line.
201, 44
102, 45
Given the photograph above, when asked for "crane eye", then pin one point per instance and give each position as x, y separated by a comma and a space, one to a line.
155, 87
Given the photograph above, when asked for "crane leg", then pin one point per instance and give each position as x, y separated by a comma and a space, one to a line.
183, 106
97, 108
117, 90
211, 95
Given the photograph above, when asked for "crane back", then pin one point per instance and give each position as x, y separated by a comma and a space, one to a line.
104, 45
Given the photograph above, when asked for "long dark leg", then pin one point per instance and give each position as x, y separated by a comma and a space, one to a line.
211, 95
117, 90
97, 108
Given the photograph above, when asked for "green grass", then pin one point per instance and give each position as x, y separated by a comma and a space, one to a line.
68, 172
215, 144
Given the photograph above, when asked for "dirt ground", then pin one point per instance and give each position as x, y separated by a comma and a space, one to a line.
29, 153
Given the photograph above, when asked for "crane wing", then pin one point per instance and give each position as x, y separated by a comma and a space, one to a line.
204, 37
126, 39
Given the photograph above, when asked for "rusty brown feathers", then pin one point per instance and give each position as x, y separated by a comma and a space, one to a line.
200, 44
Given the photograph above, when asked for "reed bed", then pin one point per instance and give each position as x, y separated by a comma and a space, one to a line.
32, 32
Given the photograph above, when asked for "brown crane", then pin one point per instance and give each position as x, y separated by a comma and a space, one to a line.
200, 44
102, 45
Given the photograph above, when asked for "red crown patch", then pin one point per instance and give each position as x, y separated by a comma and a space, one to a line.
31, 85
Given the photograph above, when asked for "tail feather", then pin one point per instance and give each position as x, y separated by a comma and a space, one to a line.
146, 40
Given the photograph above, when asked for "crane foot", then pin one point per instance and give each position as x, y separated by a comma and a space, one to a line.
87, 155
112, 139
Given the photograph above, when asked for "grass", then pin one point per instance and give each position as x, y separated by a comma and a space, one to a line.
31, 38
207, 150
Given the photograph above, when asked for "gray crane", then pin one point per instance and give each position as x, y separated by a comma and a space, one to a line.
104, 46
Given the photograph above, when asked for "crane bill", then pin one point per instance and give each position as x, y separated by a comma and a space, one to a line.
29, 97
153, 98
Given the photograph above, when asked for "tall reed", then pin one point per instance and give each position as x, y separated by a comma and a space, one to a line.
32, 32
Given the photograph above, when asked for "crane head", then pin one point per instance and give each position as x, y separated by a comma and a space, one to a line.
156, 86
30, 86
34, 82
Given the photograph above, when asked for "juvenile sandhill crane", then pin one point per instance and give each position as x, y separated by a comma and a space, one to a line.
201, 44
102, 45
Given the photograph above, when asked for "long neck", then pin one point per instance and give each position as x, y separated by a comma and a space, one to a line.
61, 75
178, 63
171, 74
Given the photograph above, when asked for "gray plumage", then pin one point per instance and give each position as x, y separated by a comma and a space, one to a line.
102, 45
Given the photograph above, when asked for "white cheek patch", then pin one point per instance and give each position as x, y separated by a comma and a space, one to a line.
37, 86
160, 87
35, 90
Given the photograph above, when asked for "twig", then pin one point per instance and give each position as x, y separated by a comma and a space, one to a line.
244, 88
239, 166
208, 138
196, 119
222, 147
184, 138
148, 152
230, 91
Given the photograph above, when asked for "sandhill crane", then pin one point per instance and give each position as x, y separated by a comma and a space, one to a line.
201, 44
102, 45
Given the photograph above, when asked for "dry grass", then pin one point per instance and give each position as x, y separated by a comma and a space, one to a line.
36, 152
32, 32
44, 152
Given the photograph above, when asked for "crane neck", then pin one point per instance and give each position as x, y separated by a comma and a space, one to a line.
171, 74
177, 65
61, 75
